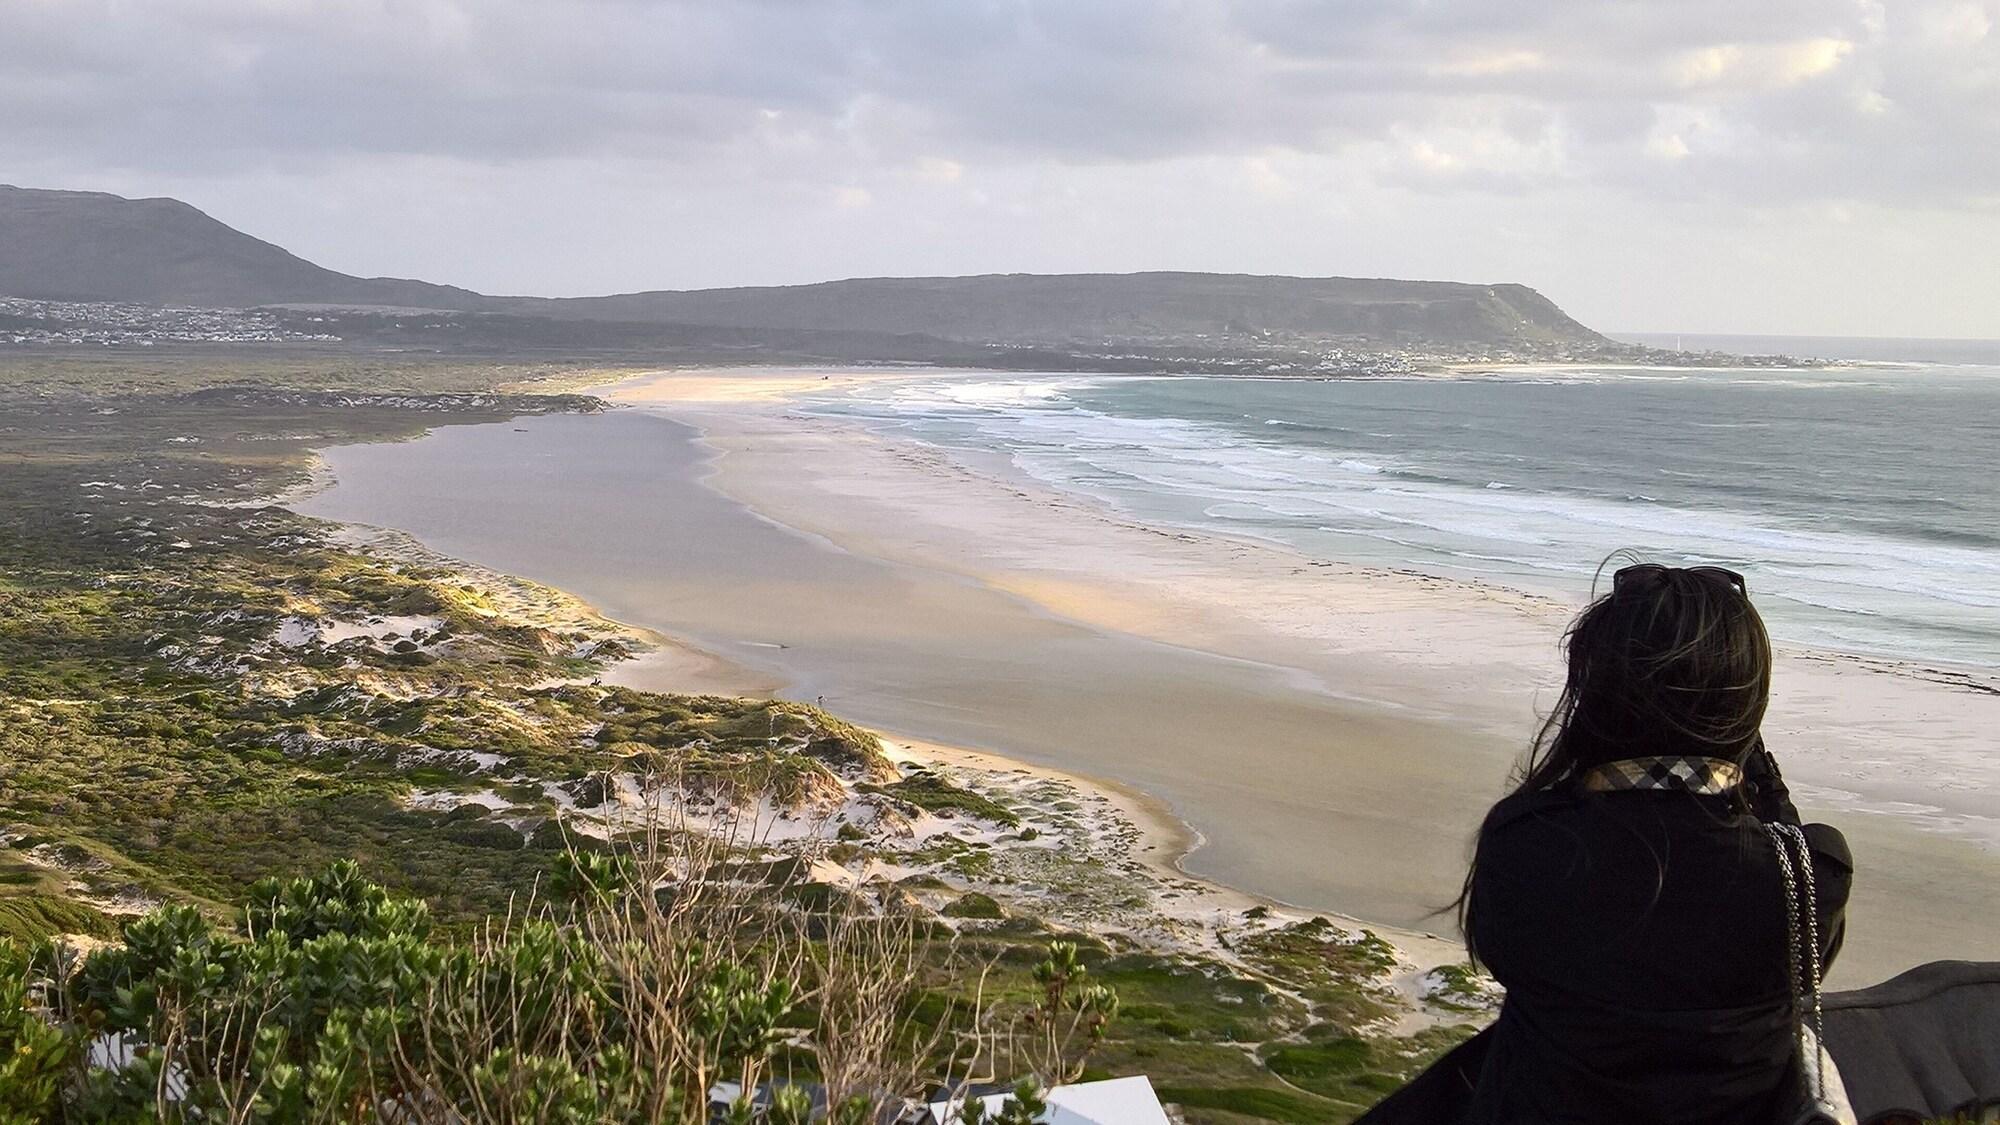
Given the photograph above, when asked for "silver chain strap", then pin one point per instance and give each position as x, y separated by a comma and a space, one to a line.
1803, 957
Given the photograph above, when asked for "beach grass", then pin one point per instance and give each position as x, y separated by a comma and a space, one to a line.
928, 791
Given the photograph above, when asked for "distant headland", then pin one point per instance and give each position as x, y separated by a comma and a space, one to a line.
89, 267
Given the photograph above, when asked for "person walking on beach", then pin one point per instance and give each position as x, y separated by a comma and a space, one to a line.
1641, 893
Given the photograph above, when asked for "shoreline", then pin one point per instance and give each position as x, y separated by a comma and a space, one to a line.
655, 660
1383, 691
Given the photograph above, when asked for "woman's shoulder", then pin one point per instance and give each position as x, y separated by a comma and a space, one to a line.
1533, 822
1564, 812
1526, 808
1559, 812
1560, 835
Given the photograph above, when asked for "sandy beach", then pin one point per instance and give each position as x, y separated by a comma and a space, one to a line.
1330, 735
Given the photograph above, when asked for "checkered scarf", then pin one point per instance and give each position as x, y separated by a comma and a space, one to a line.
1708, 777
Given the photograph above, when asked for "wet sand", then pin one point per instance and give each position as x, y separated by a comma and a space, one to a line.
1332, 734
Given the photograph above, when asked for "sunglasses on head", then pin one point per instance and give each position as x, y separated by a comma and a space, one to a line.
1650, 574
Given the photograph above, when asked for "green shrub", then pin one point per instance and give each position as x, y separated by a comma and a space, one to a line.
36, 1057
486, 834
931, 792
332, 991
32, 915
973, 905
333, 999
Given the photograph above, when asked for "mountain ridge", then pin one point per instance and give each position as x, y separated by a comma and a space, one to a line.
95, 246
1020, 308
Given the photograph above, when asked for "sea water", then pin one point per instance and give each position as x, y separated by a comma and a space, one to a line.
1861, 502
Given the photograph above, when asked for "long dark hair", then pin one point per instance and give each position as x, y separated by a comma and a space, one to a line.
1672, 661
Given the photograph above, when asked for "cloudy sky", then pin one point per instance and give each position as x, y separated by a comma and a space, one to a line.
1808, 166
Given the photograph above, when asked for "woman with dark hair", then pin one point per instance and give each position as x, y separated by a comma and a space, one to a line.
1633, 892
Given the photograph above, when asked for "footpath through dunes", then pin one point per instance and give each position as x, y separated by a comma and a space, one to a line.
1332, 734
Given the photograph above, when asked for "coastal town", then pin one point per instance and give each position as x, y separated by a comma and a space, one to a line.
36, 323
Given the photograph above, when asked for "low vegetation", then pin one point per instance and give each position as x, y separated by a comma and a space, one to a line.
331, 1000
928, 791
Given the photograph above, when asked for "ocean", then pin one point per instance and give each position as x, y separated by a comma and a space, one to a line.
1860, 502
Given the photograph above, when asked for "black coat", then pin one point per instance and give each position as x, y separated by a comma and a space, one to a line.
1641, 937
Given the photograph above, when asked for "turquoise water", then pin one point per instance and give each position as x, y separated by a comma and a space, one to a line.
1862, 502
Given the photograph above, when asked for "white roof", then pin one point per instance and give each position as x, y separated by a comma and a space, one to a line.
1114, 1101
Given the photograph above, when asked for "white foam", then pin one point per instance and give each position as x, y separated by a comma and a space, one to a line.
1874, 592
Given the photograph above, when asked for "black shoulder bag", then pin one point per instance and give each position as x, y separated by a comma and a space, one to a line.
1825, 1097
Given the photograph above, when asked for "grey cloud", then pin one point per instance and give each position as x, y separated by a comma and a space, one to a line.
181, 83
190, 84
788, 139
